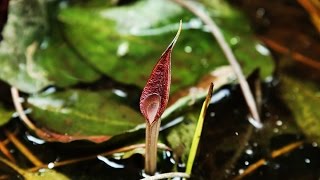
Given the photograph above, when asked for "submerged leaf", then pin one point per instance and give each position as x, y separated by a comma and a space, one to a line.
302, 97
78, 114
155, 94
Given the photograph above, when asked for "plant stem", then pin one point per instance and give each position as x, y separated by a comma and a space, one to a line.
152, 133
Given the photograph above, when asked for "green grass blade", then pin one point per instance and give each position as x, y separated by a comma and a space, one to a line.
197, 134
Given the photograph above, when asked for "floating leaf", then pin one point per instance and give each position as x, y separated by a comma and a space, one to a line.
85, 114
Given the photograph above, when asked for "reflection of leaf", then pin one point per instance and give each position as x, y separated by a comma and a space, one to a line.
83, 113
100, 40
303, 99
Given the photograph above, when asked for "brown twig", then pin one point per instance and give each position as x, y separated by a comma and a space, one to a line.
313, 11
24, 150
295, 55
216, 32
6, 152
108, 153
274, 154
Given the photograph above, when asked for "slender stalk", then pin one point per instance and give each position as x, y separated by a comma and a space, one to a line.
19, 108
152, 133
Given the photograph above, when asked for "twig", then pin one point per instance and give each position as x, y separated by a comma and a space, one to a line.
274, 154
215, 31
167, 176
295, 55
19, 108
314, 12
108, 153
6, 152
24, 150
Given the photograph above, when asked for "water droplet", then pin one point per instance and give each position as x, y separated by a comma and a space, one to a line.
119, 93
246, 163
234, 40
262, 50
249, 151
51, 165
307, 160
195, 23
241, 171
279, 123
212, 114
188, 49
237, 134
123, 49
314, 144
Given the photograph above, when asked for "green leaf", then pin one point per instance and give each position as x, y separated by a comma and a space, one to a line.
32, 61
126, 49
83, 113
25, 25
197, 133
303, 99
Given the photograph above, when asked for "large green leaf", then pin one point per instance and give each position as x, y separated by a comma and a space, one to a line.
83, 113
119, 43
